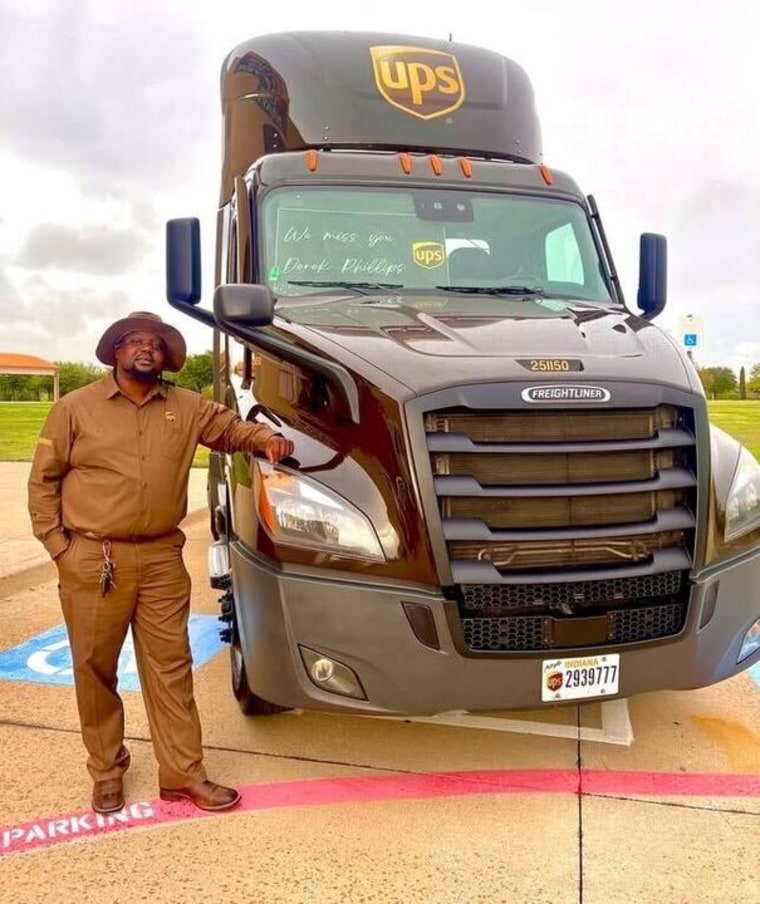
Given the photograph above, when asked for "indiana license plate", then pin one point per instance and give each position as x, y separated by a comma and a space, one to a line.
581, 678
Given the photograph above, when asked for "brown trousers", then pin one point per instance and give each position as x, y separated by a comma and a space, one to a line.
152, 594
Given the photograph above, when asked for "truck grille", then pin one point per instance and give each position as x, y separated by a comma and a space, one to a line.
522, 633
584, 593
566, 528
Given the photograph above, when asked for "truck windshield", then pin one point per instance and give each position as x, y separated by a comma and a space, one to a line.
317, 238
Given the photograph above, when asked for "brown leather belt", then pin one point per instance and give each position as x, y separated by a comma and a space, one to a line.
134, 538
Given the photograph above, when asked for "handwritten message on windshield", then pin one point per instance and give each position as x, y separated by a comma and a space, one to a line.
349, 246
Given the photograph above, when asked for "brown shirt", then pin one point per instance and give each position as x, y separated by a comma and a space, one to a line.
109, 467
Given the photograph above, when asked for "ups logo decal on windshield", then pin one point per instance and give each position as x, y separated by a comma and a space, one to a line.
428, 254
424, 83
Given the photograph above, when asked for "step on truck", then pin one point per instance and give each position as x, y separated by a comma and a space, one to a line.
505, 491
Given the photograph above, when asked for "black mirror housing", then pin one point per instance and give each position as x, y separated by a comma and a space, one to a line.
183, 262
244, 303
653, 274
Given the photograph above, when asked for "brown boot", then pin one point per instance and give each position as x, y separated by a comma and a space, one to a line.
205, 795
108, 795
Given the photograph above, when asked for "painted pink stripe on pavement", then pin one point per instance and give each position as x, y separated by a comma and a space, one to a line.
43, 833
670, 784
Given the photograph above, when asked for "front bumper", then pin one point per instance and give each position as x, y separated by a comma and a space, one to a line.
364, 626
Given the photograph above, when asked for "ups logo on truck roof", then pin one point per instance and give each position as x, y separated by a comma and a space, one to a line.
424, 83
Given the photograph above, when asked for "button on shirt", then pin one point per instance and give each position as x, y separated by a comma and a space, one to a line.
109, 467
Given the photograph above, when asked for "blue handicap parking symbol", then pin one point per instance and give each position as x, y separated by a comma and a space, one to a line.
690, 340
47, 658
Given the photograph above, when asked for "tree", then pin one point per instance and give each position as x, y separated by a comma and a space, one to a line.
13, 386
742, 384
753, 384
39, 387
73, 375
198, 372
718, 382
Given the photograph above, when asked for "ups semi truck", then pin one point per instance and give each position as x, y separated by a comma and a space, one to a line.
505, 492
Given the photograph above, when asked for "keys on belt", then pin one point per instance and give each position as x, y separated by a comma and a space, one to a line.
109, 567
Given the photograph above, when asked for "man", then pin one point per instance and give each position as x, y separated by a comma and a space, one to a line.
107, 490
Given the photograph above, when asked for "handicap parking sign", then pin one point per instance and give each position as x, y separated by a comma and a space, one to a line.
46, 659
691, 331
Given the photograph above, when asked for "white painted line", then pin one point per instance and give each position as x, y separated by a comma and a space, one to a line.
616, 724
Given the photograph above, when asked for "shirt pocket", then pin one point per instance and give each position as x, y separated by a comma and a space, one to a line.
174, 439
88, 441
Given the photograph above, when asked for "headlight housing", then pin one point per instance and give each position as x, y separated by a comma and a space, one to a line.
297, 511
743, 503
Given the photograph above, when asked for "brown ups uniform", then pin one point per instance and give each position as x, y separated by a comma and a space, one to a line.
108, 469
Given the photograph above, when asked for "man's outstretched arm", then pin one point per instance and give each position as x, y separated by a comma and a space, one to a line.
223, 430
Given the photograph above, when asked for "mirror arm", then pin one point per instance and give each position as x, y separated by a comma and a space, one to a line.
334, 373
206, 317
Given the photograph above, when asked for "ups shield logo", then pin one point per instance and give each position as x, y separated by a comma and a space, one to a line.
424, 83
428, 254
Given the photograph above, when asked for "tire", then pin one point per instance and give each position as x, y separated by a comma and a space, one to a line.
250, 704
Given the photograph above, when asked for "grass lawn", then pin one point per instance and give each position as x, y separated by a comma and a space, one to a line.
20, 423
741, 420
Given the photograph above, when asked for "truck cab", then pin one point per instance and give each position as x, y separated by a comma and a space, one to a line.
505, 491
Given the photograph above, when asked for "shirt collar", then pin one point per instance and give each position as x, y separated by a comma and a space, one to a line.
112, 388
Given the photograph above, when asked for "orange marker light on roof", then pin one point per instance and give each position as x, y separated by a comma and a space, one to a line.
311, 161
547, 174
406, 163
466, 167
435, 162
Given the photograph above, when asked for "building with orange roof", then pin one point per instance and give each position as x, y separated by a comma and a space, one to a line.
23, 365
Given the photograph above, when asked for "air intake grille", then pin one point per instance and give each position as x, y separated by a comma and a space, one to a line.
534, 633
566, 527
581, 594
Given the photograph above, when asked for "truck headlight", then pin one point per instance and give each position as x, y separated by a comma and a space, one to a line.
743, 504
297, 511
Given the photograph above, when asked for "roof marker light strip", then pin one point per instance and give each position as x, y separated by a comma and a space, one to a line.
547, 174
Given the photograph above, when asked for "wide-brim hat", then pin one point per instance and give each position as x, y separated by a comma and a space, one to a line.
176, 351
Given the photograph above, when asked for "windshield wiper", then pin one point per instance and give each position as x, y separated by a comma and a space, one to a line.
494, 290
356, 286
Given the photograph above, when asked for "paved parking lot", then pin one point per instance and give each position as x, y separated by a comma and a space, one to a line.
654, 801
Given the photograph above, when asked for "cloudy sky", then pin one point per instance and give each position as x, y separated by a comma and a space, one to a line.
110, 124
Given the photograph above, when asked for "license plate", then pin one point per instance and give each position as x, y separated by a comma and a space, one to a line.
581, 678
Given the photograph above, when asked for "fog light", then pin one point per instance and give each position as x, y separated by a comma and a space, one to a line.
751, 641
322, 670
330, 675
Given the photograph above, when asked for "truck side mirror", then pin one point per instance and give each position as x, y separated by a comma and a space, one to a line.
244, 303
183, 261
653, 274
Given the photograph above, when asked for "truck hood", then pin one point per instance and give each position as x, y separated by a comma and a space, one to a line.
434, 340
